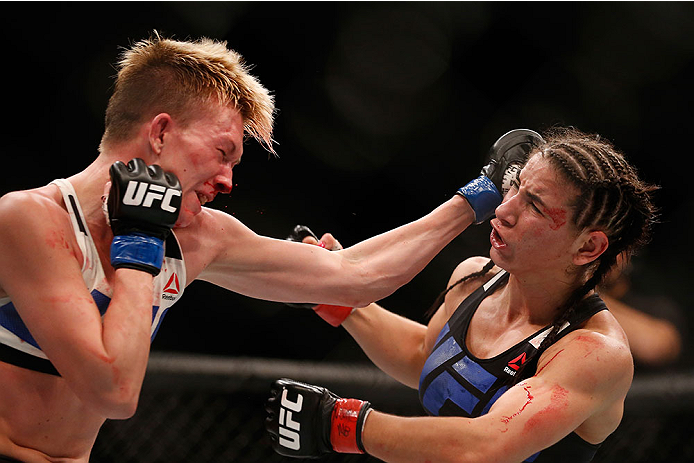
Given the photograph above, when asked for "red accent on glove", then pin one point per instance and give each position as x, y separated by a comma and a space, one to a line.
343, 425
333, 314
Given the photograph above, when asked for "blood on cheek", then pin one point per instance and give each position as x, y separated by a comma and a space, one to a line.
558, 216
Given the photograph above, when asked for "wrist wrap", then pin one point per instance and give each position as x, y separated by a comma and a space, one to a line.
482, 196
333, 314
346, 424
137, 251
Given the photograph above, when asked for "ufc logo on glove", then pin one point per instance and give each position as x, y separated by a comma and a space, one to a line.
136, 194
289, 438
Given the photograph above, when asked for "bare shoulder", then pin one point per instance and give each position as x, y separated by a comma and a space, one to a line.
38, 207
469, 267
213, 228
35, 228
212, 234
459, 290
596, 356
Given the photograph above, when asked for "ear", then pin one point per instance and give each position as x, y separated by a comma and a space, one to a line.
591, 245
159, 128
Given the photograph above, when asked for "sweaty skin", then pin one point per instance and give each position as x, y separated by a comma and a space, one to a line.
102, 360
581, 380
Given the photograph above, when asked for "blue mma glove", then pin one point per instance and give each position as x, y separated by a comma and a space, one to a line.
507, 156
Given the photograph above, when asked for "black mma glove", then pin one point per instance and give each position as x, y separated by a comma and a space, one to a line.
507, 157
333, 314
306, 421
143, 206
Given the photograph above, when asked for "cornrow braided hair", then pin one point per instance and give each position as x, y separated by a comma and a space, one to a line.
612, 199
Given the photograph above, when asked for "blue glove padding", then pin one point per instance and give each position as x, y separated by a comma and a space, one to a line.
483, 197
137, 251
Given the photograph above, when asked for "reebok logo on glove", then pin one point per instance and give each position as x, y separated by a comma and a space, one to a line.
287, 426
136, 194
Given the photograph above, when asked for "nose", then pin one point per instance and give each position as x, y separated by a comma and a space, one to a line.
223, 181
506, 211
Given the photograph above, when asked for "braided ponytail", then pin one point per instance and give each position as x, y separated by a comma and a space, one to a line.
439, 300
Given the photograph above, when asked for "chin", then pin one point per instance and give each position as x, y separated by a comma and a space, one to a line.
184, 220
499, 261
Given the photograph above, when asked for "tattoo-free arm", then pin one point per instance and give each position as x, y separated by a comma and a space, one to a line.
574, 383
279, 270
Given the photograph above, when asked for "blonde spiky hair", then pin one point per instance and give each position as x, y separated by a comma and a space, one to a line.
164, 75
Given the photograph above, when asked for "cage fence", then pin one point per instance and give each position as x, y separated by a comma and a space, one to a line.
210, 409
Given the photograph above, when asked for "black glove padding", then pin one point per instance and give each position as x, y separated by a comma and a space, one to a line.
143, 199
508, 155
306, 421
143, 206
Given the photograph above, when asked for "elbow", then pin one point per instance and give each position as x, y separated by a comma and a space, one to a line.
122, 408
118, 405
370, 288
115, 401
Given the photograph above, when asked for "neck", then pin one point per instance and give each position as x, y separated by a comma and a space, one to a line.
536, 301
90, 186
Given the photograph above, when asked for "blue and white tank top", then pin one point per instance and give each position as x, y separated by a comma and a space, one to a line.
18, 346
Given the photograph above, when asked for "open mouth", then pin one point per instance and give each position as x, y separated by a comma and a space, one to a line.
202, 198
496, 239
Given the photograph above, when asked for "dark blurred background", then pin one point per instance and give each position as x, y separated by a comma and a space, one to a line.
385, 109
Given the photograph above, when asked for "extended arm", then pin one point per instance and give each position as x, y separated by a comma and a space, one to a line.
285, 271
399, 346
585, 374
581, 378
370, 270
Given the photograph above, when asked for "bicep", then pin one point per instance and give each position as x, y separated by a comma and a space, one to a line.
573, 384
535, 414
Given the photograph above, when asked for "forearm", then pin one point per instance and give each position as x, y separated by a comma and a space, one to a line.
391, 259
126, 328
396, 439
393, 343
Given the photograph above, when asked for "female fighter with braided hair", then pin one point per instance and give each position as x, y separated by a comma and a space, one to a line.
520, 361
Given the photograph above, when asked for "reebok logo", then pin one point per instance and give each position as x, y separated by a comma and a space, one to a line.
137, 194
515, 364
289, 437
172, 285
